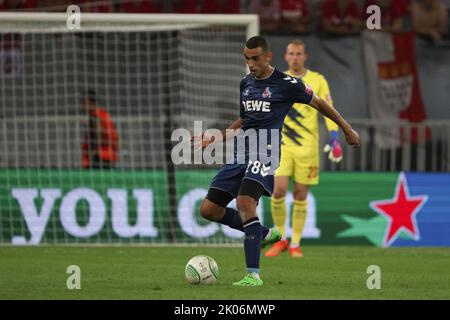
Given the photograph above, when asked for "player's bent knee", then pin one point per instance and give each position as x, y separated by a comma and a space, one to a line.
206, 210
211, 211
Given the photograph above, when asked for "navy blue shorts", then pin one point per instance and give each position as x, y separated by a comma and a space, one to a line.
230, 176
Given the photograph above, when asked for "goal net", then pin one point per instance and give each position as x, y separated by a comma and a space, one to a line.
148, 75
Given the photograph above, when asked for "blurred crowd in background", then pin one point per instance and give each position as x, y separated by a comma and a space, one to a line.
428, 18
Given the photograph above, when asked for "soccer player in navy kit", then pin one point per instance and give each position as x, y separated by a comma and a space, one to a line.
266, 96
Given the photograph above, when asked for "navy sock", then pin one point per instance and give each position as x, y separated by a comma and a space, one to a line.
232, 219
252, 243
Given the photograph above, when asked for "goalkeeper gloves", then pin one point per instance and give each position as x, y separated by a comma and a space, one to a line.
334, 148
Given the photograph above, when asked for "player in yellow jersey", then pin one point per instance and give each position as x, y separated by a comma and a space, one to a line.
300, 152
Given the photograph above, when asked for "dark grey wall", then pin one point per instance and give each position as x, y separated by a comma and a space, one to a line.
341, 62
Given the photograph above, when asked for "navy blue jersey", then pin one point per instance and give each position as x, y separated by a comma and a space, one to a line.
264, 103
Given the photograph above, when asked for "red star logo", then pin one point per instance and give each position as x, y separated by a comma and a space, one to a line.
400, 211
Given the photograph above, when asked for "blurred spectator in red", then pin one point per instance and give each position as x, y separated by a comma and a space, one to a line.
294, 15
55, 5
269, 13
341, 17
392, 13
11, 5
100, 146
185, 6
143, 6
429, 19
220, 6
95, 6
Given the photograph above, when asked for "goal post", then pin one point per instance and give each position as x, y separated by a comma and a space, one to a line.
93, 21
152, 74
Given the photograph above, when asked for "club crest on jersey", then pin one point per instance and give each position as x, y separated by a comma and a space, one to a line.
267, 94
246, 92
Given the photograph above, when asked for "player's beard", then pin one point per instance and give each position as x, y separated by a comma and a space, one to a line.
255, 73
261, 72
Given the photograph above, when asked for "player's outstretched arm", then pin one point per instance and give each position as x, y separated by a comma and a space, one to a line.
229, 132
328, 111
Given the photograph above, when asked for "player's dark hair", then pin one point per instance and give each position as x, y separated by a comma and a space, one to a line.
258, 41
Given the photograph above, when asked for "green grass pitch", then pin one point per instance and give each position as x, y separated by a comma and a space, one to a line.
158, 273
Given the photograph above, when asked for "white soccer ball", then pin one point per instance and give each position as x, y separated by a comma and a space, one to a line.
201, 269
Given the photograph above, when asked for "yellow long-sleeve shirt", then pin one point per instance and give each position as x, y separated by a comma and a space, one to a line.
301, 127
